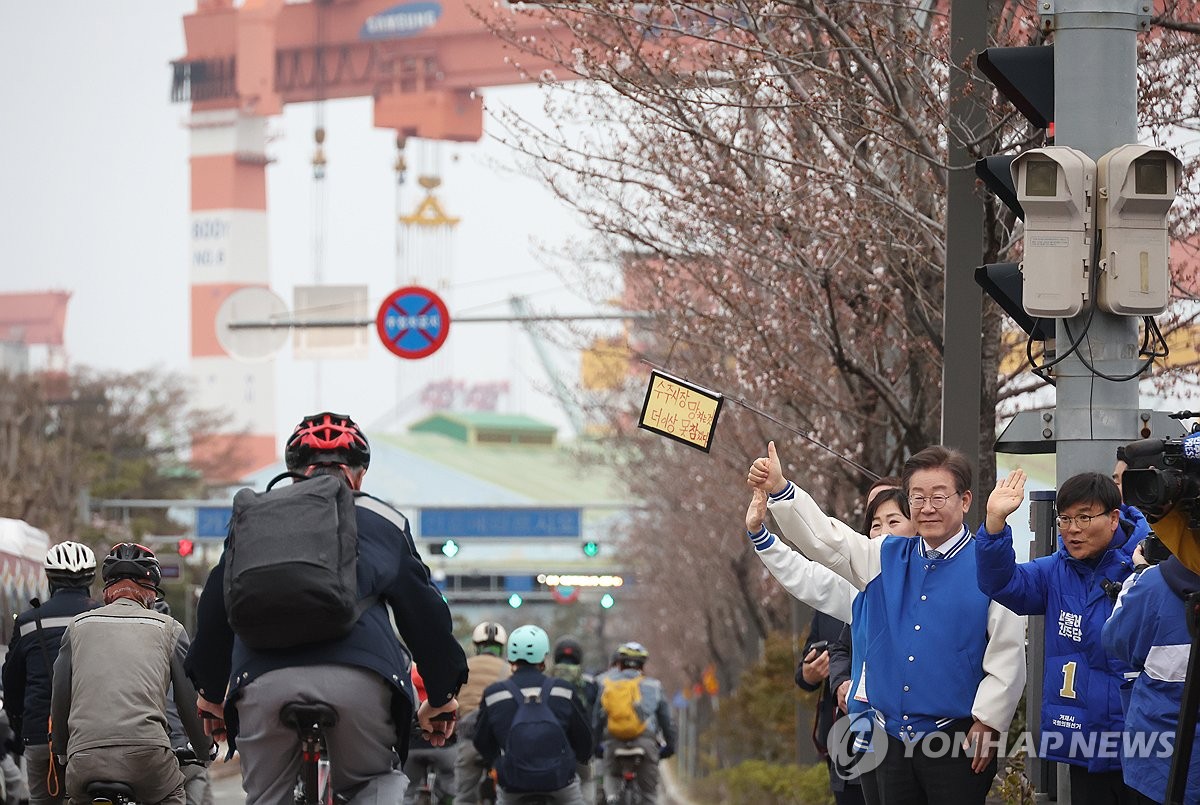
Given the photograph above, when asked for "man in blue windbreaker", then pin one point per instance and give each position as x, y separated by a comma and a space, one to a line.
1075, 589
1148, 629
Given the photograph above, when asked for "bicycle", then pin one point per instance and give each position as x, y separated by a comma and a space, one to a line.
425, 794
629, 759
310, 721
487, 788
114, 792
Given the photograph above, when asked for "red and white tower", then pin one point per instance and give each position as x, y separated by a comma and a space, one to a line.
228, 253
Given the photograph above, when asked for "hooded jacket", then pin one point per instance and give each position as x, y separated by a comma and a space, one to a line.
1148, 630
1081, 683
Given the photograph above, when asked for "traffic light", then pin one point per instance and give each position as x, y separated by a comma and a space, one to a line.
607, 601
591, 548
186, 546
1136, 185
1024, 76
1002, 282
515, 601
449, 548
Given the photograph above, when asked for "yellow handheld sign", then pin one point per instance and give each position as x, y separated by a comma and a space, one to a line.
680, 411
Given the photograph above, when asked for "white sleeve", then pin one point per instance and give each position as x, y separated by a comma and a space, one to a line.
826, 540
807, 581
1003, 681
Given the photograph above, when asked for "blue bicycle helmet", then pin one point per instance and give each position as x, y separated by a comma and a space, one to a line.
528, 644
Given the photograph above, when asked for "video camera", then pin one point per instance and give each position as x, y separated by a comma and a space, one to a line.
1164, 474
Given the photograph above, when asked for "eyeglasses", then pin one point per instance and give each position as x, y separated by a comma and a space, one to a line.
918, 502
1064, 521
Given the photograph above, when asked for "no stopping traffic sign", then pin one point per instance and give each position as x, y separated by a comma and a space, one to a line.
413, 322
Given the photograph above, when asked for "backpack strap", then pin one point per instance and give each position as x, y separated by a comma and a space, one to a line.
282, 475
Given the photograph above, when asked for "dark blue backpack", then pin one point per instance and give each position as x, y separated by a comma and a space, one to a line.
537, 756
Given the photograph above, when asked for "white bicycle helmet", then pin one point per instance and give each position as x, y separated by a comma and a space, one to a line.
70, 557
489, 634
70, 564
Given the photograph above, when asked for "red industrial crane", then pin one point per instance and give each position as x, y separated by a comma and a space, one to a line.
422, 62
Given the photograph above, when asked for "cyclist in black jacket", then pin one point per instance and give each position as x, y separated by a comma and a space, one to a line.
364, 675
70, 568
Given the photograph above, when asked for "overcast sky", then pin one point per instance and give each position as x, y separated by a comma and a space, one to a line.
94, 200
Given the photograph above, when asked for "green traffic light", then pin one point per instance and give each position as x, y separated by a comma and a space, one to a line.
450, 548
607, 601
515, 601
591, 548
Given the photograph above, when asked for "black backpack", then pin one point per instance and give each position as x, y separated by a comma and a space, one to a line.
291, 563
537, 756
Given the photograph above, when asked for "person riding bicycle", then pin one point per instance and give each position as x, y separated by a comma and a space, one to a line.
363, 675
70, 568
631, 712
486, 666
568, 666
532, 729
197, 788
111, 679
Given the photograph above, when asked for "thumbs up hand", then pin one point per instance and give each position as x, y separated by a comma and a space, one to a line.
766, 473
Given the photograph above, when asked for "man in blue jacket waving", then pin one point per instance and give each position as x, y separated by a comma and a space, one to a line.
1075, 589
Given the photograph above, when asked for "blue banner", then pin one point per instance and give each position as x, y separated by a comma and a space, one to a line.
213, 521
522, 523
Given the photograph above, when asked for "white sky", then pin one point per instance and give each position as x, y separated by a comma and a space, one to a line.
94, 200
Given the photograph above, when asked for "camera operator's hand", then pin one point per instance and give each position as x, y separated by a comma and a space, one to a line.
1139, 558
1005, 499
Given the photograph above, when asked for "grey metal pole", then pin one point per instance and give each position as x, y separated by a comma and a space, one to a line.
1095, 109
962, 322
1095, 91
1045, 537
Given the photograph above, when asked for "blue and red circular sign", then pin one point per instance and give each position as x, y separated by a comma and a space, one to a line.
413, 322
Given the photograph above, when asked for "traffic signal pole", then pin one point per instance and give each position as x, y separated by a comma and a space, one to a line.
1095, 109
962, 365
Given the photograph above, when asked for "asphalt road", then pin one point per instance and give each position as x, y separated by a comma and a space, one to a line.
227, 789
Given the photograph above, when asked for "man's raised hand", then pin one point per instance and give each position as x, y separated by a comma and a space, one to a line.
756, 511
1005, 499
766, 473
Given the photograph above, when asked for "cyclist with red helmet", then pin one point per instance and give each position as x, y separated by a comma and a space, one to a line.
116, 663
70, 568
364, 675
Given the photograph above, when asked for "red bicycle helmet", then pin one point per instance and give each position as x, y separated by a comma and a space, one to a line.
327, 438
128, 560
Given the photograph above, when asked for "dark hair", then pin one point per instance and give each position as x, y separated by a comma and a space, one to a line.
328, 469
893, 495
938, 457
886, 482
1088, 487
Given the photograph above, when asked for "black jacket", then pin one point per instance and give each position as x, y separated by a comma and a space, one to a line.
495, 719
26, 676
388, 567
827, 628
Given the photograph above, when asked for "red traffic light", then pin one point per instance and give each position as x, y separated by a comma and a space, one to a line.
186, 546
